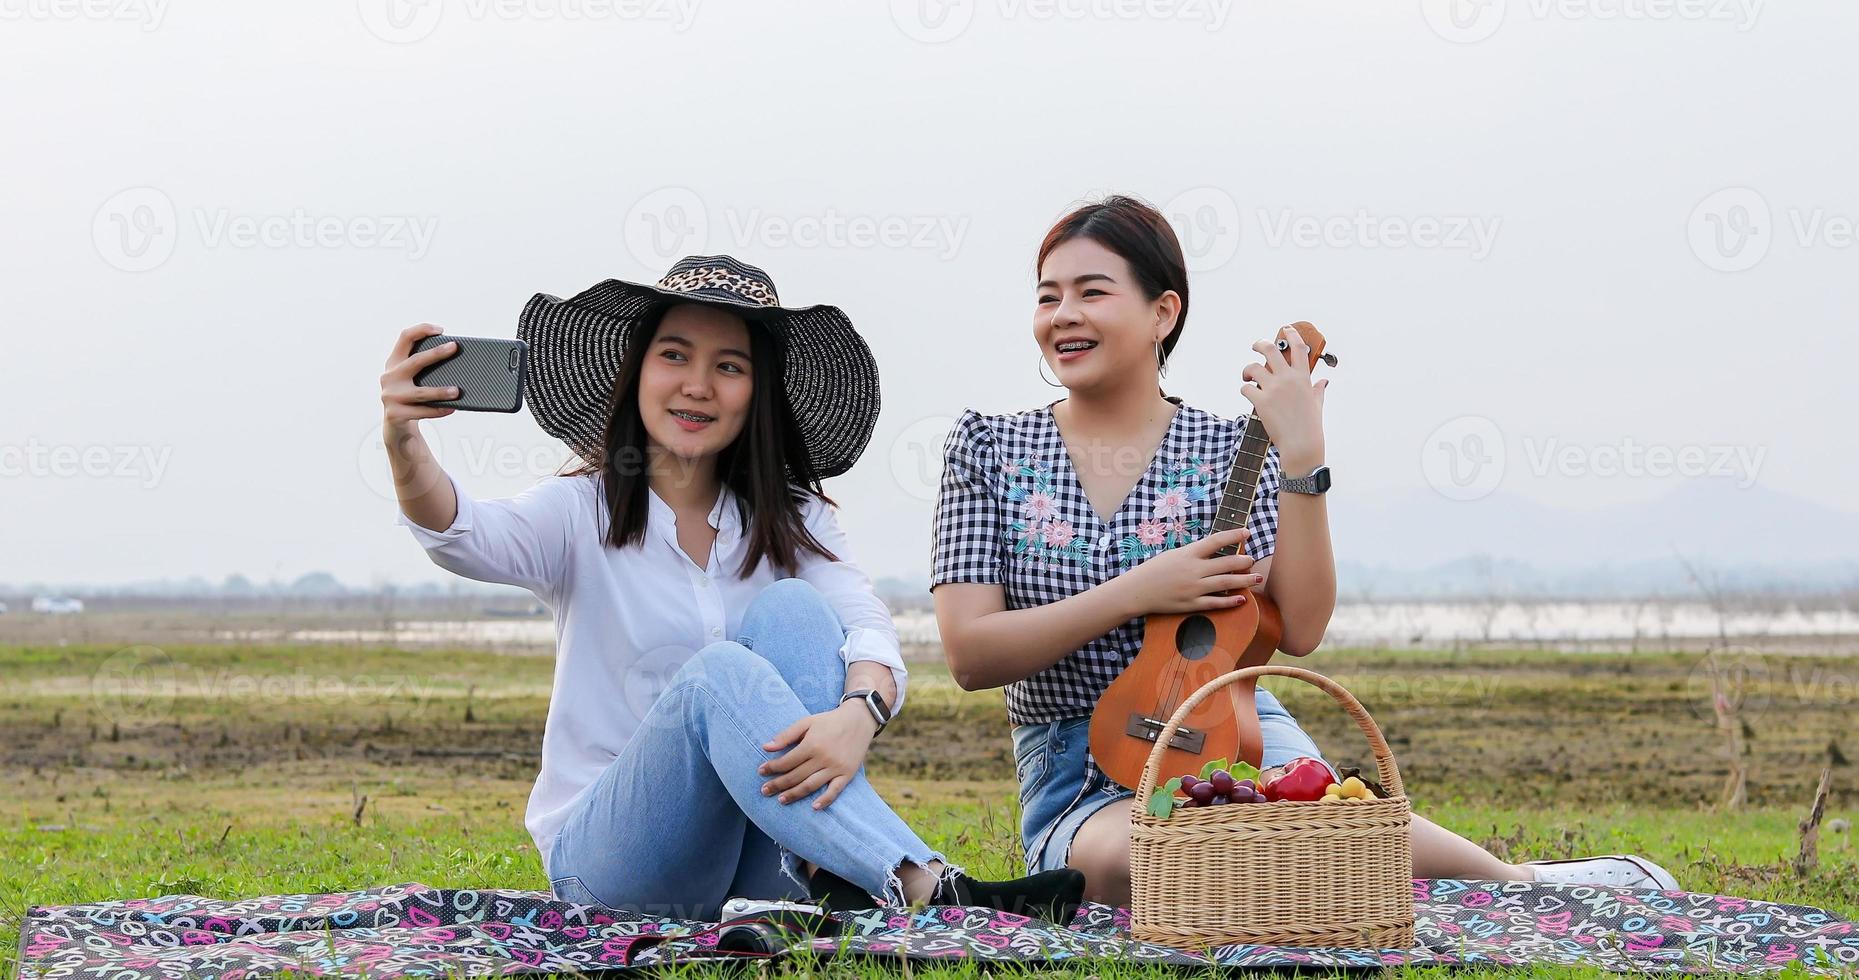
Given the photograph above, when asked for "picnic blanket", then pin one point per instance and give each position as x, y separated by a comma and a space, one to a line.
413, 930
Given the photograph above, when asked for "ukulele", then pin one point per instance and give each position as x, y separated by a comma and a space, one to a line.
1181, 652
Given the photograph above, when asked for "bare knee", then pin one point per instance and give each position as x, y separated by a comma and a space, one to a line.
1102, 852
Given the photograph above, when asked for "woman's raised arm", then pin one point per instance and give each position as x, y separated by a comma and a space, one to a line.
520, 540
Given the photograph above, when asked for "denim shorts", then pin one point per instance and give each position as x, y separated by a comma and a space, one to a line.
1055, 800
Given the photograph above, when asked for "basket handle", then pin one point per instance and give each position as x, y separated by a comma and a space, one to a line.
1384, 758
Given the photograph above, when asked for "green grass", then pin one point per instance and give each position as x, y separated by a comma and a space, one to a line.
229, 771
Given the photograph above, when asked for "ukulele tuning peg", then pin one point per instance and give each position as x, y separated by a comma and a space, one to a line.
1329, 359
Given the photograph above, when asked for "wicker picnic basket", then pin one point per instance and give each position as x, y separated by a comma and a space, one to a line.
1287, 873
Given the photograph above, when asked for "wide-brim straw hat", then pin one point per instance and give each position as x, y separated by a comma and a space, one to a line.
576, 345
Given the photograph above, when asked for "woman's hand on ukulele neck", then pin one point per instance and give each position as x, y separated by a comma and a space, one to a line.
1191, 578
1286, 401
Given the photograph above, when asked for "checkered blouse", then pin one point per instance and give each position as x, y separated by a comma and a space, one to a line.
1011, 512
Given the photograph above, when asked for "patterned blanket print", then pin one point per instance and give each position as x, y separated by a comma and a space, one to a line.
412, 930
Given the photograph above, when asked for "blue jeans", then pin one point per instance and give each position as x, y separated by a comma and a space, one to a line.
1056, 799
677, 824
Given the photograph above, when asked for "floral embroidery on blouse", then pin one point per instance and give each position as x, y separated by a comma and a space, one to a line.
1039, 533
1169, 526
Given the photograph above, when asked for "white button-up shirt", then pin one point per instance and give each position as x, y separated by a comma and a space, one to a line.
627, 618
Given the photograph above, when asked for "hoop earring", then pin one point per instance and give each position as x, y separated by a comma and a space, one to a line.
1160, 368
1042, 372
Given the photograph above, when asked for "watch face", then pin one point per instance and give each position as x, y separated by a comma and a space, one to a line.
1322, 476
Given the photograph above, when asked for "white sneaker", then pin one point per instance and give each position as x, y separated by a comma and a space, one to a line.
1613, 870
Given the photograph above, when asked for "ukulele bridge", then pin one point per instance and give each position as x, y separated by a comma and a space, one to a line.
1190, 740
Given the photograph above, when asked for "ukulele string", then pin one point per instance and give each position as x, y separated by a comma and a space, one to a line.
1174, 678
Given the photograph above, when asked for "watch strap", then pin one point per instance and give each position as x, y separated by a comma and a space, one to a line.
1318, 481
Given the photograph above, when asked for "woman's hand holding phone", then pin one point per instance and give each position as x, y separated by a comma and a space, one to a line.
425, 492
403, 400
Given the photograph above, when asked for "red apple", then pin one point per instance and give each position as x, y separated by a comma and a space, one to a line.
1304, 779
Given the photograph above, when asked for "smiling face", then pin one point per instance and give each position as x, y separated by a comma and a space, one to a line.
695, 383
1093, 323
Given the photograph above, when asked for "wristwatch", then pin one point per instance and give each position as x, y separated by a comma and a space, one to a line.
874, 703
1317, 482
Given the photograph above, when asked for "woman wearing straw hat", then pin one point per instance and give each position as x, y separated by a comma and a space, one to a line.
722, 666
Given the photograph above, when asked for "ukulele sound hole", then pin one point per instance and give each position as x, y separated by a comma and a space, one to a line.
1195, 637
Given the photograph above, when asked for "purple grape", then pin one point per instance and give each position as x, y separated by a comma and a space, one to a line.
1220, 799
1222, 780
1201, 792
1248, 784
1188, 781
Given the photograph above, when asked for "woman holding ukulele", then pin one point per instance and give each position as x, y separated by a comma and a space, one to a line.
1058, 529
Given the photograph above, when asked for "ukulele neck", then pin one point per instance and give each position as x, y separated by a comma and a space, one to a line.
1243, 482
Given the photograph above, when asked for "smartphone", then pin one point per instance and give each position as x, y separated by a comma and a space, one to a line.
487, 372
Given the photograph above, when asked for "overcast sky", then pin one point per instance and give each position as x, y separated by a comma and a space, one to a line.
1615, 225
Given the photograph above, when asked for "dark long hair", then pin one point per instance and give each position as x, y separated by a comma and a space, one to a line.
1145, 239
767, 466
